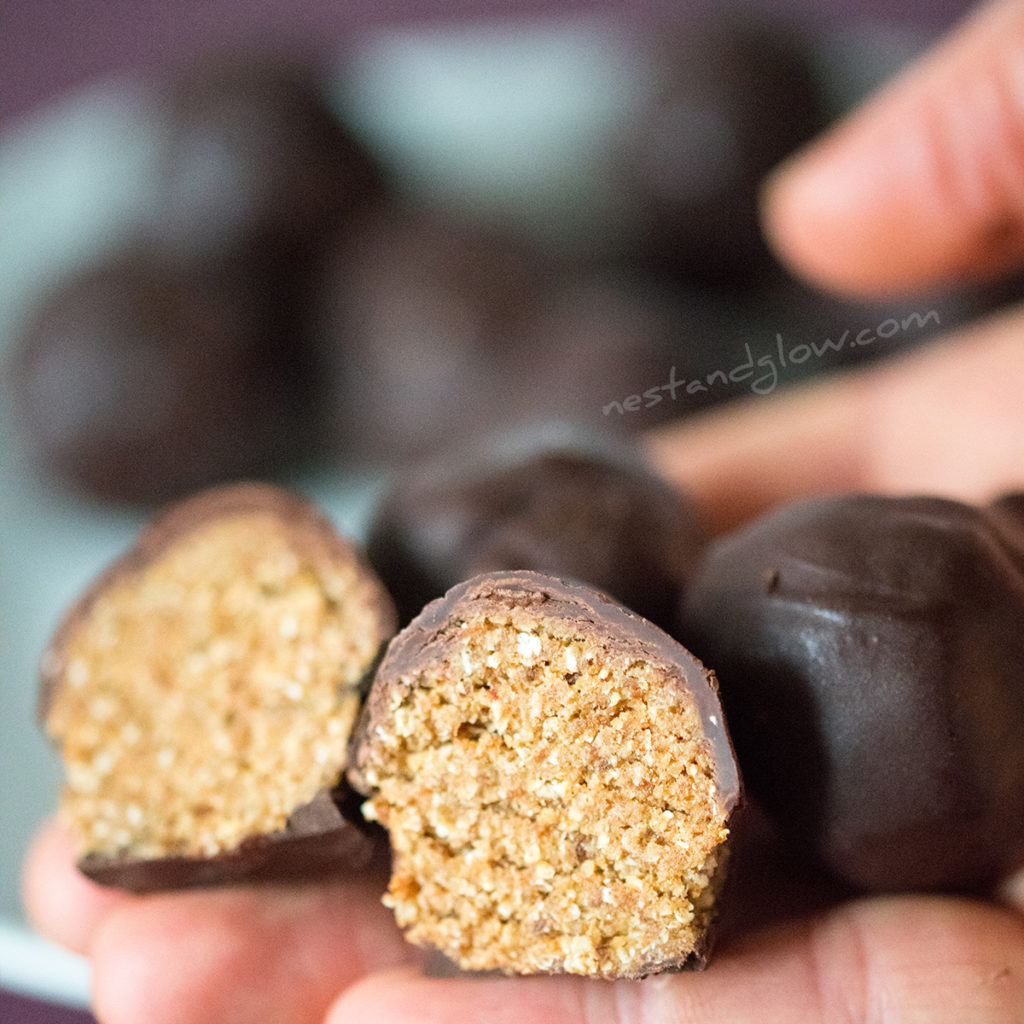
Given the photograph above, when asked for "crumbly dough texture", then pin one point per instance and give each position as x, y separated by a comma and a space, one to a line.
551, 802
205, 697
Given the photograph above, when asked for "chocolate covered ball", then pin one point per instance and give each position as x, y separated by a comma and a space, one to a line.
138, 381
203, 690
730, 97
591, 512
557, 781
254, 162
413, 315
434, 329
870, 653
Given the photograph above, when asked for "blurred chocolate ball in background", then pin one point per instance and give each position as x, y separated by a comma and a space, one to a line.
730, 97
432, 329
412, 318
253, 161
137, 382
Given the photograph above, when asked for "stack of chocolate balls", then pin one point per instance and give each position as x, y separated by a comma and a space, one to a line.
287, 303
558, 777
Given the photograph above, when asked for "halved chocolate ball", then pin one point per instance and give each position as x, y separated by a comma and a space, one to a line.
871, 657
202, 694
556, 778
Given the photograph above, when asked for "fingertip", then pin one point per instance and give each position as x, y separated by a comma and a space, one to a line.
61, 903
388, 997
808, 209
923, 185
408, 997
854, 213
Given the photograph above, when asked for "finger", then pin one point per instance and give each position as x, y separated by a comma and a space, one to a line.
947, 419
925, 183
912, 960
243, 955
61, 903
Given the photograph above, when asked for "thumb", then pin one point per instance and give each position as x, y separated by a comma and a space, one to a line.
923, 185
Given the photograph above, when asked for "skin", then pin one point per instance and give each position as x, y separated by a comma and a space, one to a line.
924, 185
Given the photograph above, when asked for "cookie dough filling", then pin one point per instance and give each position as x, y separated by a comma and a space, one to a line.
553, 800
202, 697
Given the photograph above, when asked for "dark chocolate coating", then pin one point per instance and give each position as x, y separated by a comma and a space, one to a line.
595, 514
254, 162
325, 835
731, 97
1009, 510
870, 653
139, 382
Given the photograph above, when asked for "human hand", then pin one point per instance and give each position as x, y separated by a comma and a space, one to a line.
260, 954
923, 186
315, 954
331, 954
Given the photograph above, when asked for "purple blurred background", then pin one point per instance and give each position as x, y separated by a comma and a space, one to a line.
19, 1010
49, 48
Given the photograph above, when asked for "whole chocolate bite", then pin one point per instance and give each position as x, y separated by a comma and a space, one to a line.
138, 381
730, 97
202, 694
556, 778
254, 163
562, 505
870, 652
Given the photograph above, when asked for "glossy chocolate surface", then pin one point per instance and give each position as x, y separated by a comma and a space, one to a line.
575, 509
870, 654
